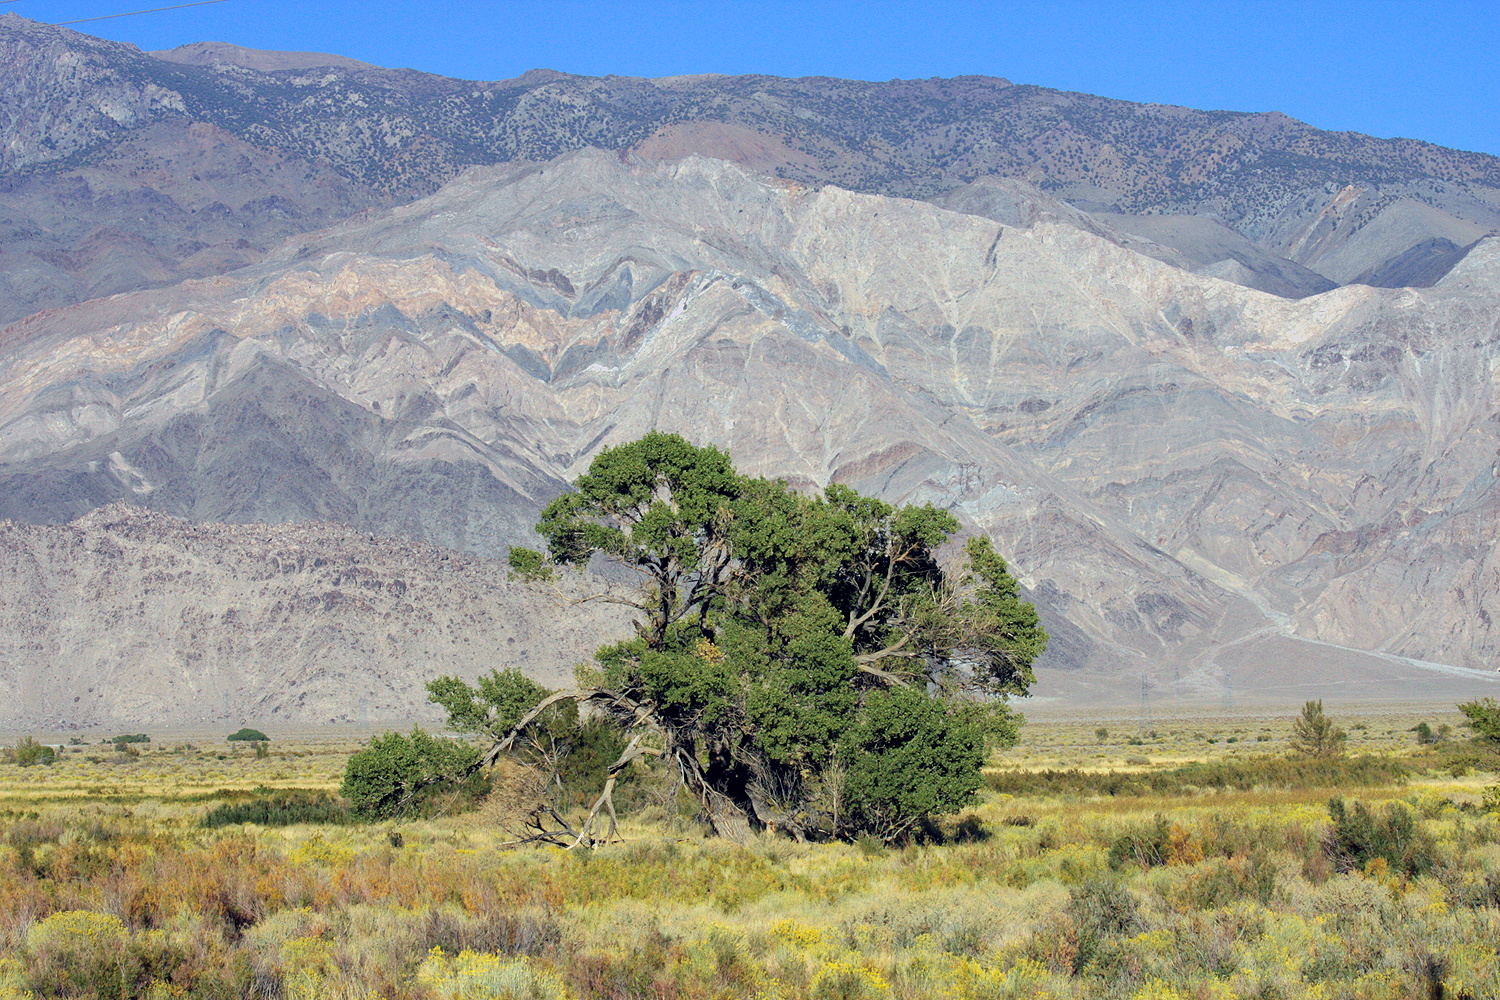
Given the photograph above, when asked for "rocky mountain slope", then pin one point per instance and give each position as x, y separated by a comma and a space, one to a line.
132, 616
121, 169
1198, 481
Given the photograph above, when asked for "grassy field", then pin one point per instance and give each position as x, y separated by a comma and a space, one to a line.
1194, 862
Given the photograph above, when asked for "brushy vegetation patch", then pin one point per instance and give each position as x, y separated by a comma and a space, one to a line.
1219, 775
1379, 894
280, 809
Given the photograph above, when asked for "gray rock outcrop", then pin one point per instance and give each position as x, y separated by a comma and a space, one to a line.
1184, 471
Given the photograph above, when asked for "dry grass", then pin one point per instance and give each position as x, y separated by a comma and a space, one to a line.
108, 887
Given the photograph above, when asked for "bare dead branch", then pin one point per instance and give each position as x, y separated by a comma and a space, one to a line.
887, 677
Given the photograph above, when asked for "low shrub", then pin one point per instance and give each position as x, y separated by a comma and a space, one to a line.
249, 735
1145, 846
281, 810
1221, 775
1358, 836
1224, 881
1101, 910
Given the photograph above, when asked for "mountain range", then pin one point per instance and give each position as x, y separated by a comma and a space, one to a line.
284, 303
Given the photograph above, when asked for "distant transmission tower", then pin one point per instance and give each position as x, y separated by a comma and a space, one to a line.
1147, 722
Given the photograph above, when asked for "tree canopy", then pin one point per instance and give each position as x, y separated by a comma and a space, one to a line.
809, 662
1483, 716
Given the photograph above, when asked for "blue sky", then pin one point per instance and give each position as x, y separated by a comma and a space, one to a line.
1427, 71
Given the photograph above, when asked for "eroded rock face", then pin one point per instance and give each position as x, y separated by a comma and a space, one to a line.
127, 615
1180, 468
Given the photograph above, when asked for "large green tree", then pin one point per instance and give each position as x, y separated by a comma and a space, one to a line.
809, 662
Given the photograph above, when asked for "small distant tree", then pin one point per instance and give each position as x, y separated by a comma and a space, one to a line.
1483, 717
1425, 735
28, 752
249, 736
1315, 735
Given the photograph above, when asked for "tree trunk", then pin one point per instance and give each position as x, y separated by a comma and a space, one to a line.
726, 817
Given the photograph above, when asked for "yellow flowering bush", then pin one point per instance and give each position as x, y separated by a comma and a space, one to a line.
841, 980
471, 976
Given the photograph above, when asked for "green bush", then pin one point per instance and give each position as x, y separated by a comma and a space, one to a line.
529, 565
28, 752
1145, 846
131, 738
397, 775
1223, 881
283, 809
1483, 717
908, 759
593, 747
1358, 836
249, 735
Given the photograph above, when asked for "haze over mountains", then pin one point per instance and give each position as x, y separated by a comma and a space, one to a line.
1110, 335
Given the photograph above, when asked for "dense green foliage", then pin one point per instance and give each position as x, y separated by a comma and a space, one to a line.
1483, 717
1360, 836
492, 707
574, 754
807, 661
398, 774
28, 751
908, 760
129, 738
249, 735
528, 565
280, 809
